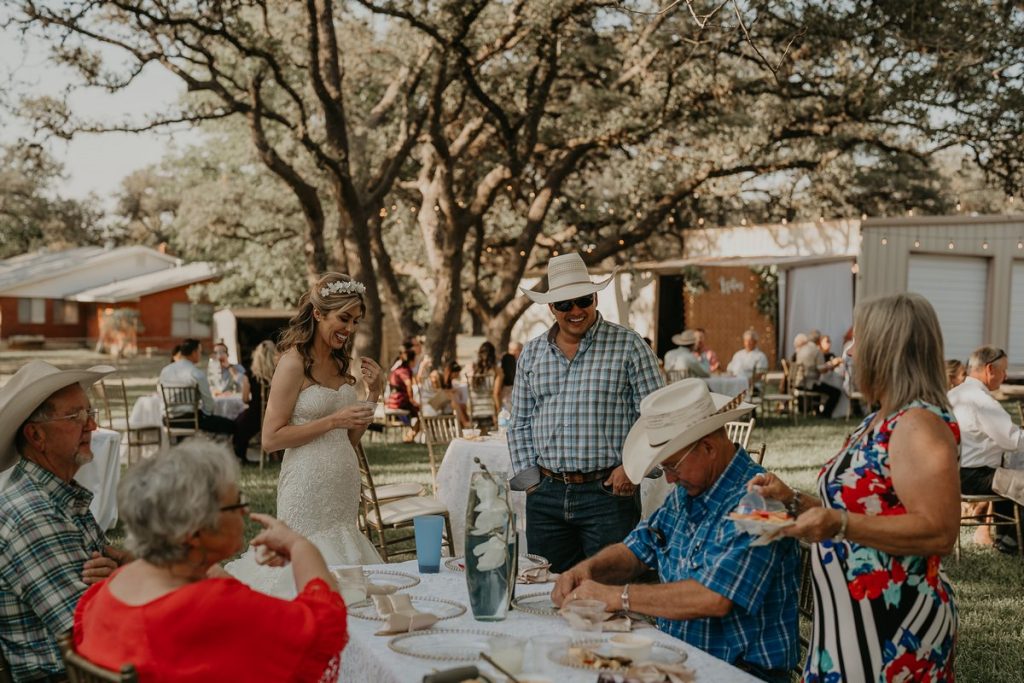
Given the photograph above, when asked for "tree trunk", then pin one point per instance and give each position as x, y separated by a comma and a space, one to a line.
447, 312
499, 327
390, 290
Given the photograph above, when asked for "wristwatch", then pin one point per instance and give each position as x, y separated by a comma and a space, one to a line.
625, 598
793, 506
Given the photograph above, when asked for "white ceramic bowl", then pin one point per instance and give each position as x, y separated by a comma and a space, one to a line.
637, 648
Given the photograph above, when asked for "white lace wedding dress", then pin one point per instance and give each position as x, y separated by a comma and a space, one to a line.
317, 496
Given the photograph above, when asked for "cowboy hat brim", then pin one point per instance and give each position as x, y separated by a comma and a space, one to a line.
639, 457
23, 394
567, 292
683, 340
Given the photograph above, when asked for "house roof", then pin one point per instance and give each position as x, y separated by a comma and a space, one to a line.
58, 274
132, 289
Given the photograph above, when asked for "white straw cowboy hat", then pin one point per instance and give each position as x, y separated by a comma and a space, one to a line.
685, 338
27, 389
567, 279
672, 418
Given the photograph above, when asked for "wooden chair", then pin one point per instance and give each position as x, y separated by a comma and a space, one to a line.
439, 432
481, 402
780, 398
81, 670
181, 406
116, 414
795, 374
739, 432
990, 518
672, 376
379, 514
805, 606
757, 455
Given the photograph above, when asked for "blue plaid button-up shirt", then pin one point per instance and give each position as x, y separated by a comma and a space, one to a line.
46, 535
573, 416
690, 538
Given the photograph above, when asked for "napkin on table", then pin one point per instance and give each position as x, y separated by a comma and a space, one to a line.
539, 573
400, 616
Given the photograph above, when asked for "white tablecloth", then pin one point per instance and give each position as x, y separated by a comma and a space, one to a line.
102, 475
453, 481
368, 658
727, 384
148, 411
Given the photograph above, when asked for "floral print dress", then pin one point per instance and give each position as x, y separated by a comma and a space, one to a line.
877, 617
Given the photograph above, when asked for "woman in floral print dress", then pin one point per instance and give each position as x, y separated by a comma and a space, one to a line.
888, 508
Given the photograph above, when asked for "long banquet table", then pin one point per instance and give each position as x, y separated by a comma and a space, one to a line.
368, 658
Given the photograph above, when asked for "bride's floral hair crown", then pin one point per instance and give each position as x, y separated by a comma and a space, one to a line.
339, 287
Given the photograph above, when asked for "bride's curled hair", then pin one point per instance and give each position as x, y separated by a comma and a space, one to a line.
329, 293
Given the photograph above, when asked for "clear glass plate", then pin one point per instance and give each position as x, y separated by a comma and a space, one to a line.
458, 564
455, 645
439, 607
660, 654
536, 603
391, 577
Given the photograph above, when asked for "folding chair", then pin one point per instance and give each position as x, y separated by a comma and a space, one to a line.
81, 670
757, 455
672, 376
481, 402
181, 407
739, 432
439, 431
795, 373
380, 515
781, 398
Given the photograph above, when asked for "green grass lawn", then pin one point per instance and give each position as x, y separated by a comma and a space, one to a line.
988, 585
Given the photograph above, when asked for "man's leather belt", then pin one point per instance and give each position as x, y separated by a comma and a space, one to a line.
576, 477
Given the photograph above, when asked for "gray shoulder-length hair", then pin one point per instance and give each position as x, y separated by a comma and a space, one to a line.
165, 499
898, 354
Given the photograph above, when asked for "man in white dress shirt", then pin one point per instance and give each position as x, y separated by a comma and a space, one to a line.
682, 357
749, 359
185, 372
987, 435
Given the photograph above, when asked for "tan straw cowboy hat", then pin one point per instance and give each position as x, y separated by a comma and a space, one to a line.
26, 391
567, 279
685, 338
672, 418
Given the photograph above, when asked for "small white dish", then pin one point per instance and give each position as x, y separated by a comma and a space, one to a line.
636, 648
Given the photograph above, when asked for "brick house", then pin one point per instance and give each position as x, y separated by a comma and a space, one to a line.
123, 298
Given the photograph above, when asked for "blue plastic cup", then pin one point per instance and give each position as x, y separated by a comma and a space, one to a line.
428, 530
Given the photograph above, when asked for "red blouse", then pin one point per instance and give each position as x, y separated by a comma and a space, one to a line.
215, 630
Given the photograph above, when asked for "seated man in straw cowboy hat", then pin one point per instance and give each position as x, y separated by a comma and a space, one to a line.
50, 546
682, 357
717, 592
577, 392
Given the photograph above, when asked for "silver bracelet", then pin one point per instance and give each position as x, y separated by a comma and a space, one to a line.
793, 506
841, 534
625, 598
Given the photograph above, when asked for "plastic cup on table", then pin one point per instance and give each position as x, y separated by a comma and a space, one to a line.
428, 530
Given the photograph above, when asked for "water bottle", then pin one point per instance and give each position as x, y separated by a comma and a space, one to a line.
504, 419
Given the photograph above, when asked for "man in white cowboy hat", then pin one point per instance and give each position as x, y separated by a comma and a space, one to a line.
50, 545
717, 592
682, 358
577, 393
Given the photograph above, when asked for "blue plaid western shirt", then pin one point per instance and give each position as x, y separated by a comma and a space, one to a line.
691, 538
573, 416
46, 535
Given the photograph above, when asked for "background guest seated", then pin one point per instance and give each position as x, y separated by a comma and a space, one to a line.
749, 359
682, 358
226, 377
185, 372
176, 615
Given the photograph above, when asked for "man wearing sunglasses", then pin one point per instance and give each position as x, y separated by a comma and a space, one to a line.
577, 393
990, 443
50, 545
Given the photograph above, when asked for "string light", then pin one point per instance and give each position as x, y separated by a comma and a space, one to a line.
984, 245
508, 187
1020, 243
951, 245
383, 213
622, 243
743, 221
863, 216
784, 221
532, 194
582, 206
522, 253
855, 268
700, 221
910, 212
959, 206
394, 207
917, 243
554, 253
488, 250
885, 241
436, 208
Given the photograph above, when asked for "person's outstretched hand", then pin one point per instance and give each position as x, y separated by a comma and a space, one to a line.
273, 545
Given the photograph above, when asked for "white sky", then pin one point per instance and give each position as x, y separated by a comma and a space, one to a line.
94, 163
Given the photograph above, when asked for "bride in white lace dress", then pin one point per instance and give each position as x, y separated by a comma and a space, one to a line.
314, 413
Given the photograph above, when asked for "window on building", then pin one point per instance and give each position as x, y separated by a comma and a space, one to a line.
191, 320
32, 311
65, 312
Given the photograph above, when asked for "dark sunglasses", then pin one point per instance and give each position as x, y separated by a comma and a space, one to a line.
580, 302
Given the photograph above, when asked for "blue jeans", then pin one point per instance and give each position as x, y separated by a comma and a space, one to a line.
567, 523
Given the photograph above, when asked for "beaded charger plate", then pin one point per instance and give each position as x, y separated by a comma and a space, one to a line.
439, 607
458, 564
455, 645
660, 654
391, 577
536, 603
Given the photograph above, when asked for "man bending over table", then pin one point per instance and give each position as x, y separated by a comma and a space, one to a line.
717, 593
